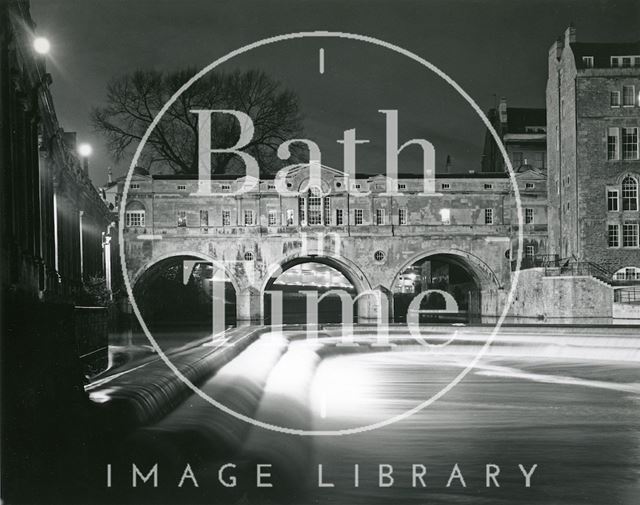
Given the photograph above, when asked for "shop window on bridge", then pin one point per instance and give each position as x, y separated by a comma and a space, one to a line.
627, 274
248, 217
272, 218
182, 218
314, 209
327, 210
204, 218
135, 215
529, 251
134, 218
402, 216
379, 217
339, 217
226, 218
528, 216
488, 216
358, 216
289, 217
629, 193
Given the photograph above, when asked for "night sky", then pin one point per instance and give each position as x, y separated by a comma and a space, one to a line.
491, 48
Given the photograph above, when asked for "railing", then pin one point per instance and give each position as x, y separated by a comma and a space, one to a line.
537, 261
629, 295
572, 267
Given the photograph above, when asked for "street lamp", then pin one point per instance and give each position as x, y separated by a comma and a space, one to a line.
41, 45
85, 150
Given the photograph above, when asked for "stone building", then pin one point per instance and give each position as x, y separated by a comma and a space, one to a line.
469, 221
593, 117
523, 134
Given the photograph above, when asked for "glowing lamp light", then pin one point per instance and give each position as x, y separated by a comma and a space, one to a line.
41, 45
85, 150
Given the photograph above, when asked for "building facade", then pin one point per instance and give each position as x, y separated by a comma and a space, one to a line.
469, 218
593, 118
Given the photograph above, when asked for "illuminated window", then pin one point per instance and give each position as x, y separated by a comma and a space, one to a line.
613, 234
612, 200
272, 218
226, 218
588, 61
134, 218
488, 216
358, 216
379, 217
182, 218
402, 216
630, 235
629, 193
445, 216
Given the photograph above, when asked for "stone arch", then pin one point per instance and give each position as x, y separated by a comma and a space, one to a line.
479, 269
346, 267
487, 282
157, 259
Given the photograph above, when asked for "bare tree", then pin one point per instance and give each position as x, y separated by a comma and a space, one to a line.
133, 101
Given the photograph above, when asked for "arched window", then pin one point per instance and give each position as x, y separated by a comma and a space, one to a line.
627, 274
629, 193
135, 215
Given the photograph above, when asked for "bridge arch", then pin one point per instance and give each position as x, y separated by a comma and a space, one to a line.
346, 267
479, 280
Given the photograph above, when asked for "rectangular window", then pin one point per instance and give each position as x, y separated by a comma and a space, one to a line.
379, 217
615, 61
204, 218
226, 218
302, 214
488, 186
134, 186
626, 61
588, 61
488, 216
445, 185
529, 185
289, 217
339, 217
182, 218
529, 251
630, 235
615, 99
402, 216
612, 200
248, 217
445, 216
272, 218
181, 187
402, 186
613, 143
271, 186
327, 210
613, 234
528, 216
134, 218
630, 143
226, 187
628, 96
358, 216
314, 209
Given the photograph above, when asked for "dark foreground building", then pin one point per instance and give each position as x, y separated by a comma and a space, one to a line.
53, 225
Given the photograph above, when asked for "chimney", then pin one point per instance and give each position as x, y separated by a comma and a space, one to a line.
502, 112
447, 166
569, 35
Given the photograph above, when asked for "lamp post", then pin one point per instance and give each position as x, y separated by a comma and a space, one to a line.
41, 45
85, 150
